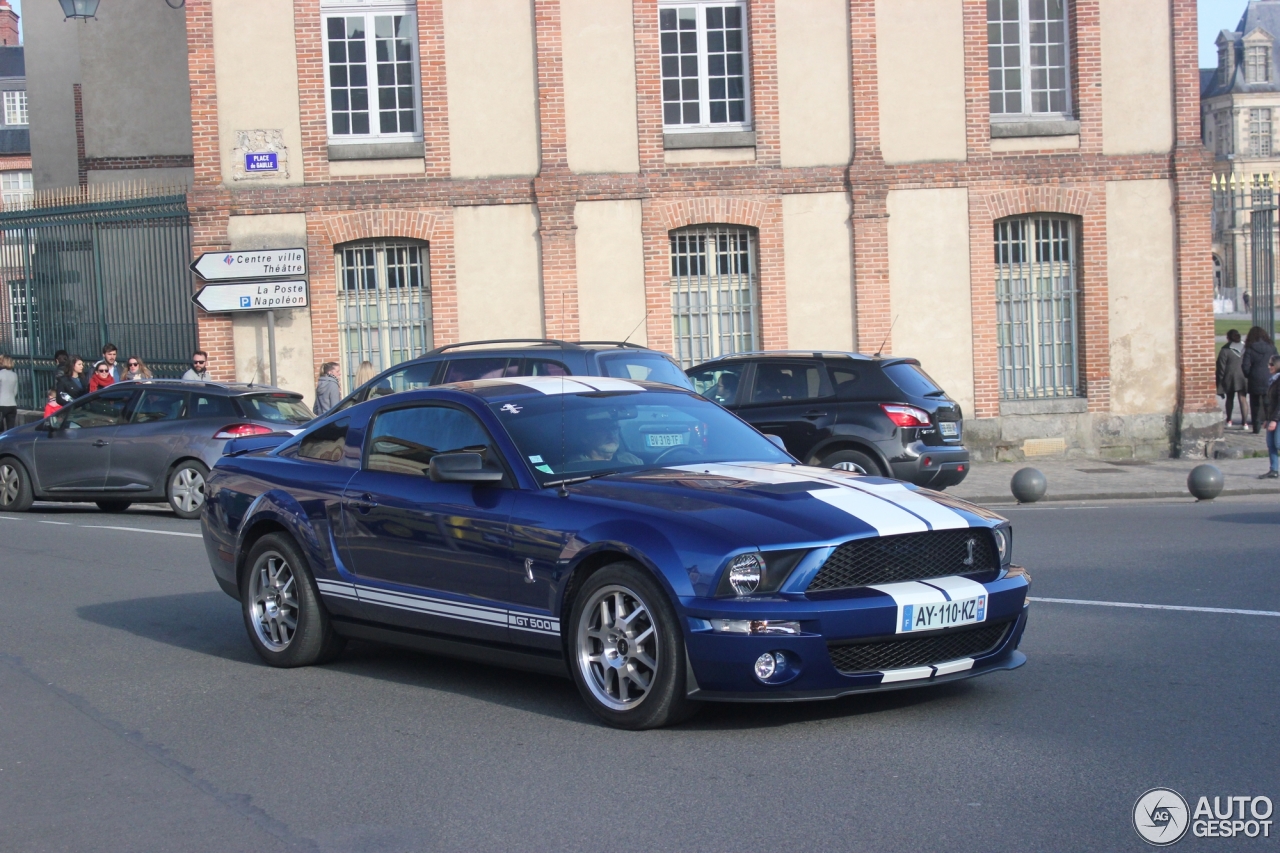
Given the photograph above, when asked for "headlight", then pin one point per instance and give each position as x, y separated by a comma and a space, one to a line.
745, 573
1004, 543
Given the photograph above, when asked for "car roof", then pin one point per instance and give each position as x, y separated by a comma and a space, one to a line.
828, 354
522, 387
231, 388
535, 344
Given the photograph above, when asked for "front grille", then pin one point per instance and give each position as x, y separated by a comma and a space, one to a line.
909, 557
918, 651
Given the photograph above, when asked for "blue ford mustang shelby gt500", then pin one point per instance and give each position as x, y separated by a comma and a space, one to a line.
641, 537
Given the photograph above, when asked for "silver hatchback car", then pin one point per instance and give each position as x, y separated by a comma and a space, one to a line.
138, 442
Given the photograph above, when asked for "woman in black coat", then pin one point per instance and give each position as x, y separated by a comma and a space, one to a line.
1230, 377
70, 383
1258, 349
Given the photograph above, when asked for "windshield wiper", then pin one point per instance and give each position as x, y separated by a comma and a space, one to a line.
569, 481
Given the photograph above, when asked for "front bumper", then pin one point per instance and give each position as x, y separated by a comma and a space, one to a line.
721, 665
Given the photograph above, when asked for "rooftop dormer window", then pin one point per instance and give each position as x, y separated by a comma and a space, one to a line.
1224, 64
1257, 64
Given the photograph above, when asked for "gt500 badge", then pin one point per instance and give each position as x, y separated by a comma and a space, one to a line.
533, 623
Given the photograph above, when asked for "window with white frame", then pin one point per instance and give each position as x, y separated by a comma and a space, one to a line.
1225, 50
1257, 64
1260, 133
384, 303
1036, 295
371, 72
16, 187
15, 108
1224, 139
1028, 58
714, 292
704, 66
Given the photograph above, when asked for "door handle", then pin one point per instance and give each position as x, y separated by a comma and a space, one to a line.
362, 504
100, 443
813, 415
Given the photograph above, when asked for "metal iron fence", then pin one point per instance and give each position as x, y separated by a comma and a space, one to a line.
714, 292
89, 266
1244, 239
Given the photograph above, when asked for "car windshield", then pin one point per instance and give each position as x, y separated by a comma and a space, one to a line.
646, 366
910, 379
565, 436
275, 408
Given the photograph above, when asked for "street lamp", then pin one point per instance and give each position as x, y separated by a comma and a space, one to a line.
82, 9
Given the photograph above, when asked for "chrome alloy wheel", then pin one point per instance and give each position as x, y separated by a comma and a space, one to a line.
188, 489
849, 466
273, 601
10, 483
618, 650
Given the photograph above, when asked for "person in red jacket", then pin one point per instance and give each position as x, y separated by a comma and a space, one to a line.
101, 377
51, 402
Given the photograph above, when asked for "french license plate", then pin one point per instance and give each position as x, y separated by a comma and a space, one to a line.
949, 429
946, 614
664, 439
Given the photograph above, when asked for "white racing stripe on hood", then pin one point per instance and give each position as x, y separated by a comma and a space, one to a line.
957, 588
911, 592
550, 385
938, 516
763, 474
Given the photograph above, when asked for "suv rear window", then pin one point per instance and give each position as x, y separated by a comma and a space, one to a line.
645, 366
275, 408
913, 381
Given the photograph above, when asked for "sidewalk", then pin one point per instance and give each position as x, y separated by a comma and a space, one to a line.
1126, 479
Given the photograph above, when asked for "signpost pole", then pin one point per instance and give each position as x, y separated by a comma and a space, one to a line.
271, 342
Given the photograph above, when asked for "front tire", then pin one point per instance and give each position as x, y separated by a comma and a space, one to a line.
15, 486
287, 624
185, 488
627, 651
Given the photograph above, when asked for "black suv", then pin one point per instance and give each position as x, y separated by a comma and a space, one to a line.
840, 410
466, 362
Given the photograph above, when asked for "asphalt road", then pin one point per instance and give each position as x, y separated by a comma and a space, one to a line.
134, 716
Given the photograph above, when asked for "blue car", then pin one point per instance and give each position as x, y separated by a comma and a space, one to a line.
632, 535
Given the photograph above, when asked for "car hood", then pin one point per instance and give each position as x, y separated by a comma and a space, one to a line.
774, 504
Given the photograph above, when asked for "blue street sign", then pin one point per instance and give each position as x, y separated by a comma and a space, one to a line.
246, 301
266, 161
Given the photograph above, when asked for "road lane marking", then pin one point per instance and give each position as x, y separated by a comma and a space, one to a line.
137, 530
42, 521
1156, 606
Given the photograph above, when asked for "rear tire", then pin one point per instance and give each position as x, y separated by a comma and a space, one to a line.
185, 488
287, 624
627, 653
15, 486
852, 460
113, 506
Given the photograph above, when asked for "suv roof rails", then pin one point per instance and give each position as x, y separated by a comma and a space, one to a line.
612, 344
564, 344
807, 353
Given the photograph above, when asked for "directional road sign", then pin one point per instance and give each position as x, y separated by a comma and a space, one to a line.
251, 296
259, 263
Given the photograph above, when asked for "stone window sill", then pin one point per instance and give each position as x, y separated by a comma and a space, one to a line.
1063, 406
711, 139
1012, 129
376, 151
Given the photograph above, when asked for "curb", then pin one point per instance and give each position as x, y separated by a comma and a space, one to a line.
1007, 500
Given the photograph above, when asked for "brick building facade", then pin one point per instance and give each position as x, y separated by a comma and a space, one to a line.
1014, 192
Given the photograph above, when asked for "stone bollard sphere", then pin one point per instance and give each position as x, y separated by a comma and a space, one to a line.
1028, 486
1205, 482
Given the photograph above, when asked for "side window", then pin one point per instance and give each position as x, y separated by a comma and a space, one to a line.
719, 384
847, 381
404, 440
211, 406
785, 382
102, 411
409, 378
470, 369
158, 405
543, 367
326, 443
650, 366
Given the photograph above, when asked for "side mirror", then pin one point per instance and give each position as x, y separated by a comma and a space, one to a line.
777, 439
461, 468
50, 424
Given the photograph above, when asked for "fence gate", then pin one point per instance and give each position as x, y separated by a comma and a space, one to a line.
1244, 240
89, 266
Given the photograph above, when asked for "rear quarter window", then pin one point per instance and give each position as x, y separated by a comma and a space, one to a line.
325, 444
275, 408
211, 406
913, 381
649, 367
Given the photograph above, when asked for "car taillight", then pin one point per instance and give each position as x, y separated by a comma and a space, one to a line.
906, 416
241, 430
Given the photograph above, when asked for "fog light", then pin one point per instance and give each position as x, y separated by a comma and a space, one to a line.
766, 666
745, 572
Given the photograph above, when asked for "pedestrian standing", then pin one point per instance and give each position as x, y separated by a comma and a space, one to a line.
1257, 350
1271, 400
109, 355
60, 362
8, 394
136, 369
328, 391
70, 384
1230, 377
364, 373
101, 378
199, 370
